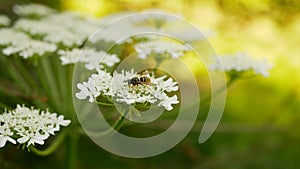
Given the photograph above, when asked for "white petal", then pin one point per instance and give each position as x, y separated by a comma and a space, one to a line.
41, 142
41, 136
81, 95
23, 139
11, 140
51, 131
2, 141
63, 122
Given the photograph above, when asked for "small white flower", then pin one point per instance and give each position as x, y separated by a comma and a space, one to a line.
50, 31
167, 85
5, 135
168, 101
87, 90
4, 20
32, 9
157, 46
75, 22
29, 125
29, 48
56, 123
31, 138
93, 59
242, 62
11, 36
115, 34
61, 122
69, 57
119, 88
96, 84
19, 43
68, 29
37, 47
33, 27
65, 37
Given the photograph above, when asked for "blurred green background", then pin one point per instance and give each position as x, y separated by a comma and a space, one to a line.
259, 128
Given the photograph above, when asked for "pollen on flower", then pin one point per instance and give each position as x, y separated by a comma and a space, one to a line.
29, 126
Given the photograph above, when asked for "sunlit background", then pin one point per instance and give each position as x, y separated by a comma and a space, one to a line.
259, 128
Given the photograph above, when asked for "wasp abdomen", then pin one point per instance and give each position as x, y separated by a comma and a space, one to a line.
139, 80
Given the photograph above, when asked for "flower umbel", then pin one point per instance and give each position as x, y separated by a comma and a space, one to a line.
92, 58
118, 88
158, 46
242, 63
28, 125
32, 9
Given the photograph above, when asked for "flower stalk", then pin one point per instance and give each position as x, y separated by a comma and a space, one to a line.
60, 138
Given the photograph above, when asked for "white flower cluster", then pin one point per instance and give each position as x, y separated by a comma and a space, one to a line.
93, 59
11, 37
157, 46
117, 33
118, 87
4, 20
21, 44
64, 28
51, 31
32, 9
146, 23
242, 62
27, 125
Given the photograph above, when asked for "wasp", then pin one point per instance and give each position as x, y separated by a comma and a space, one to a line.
140, 80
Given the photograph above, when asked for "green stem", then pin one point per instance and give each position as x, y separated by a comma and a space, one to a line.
21, 82
220, 90
60, 77
48, 82
60, 138
104, 104
24, 71
146, 106
118, 124
115, 127
72, 150
69, 69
